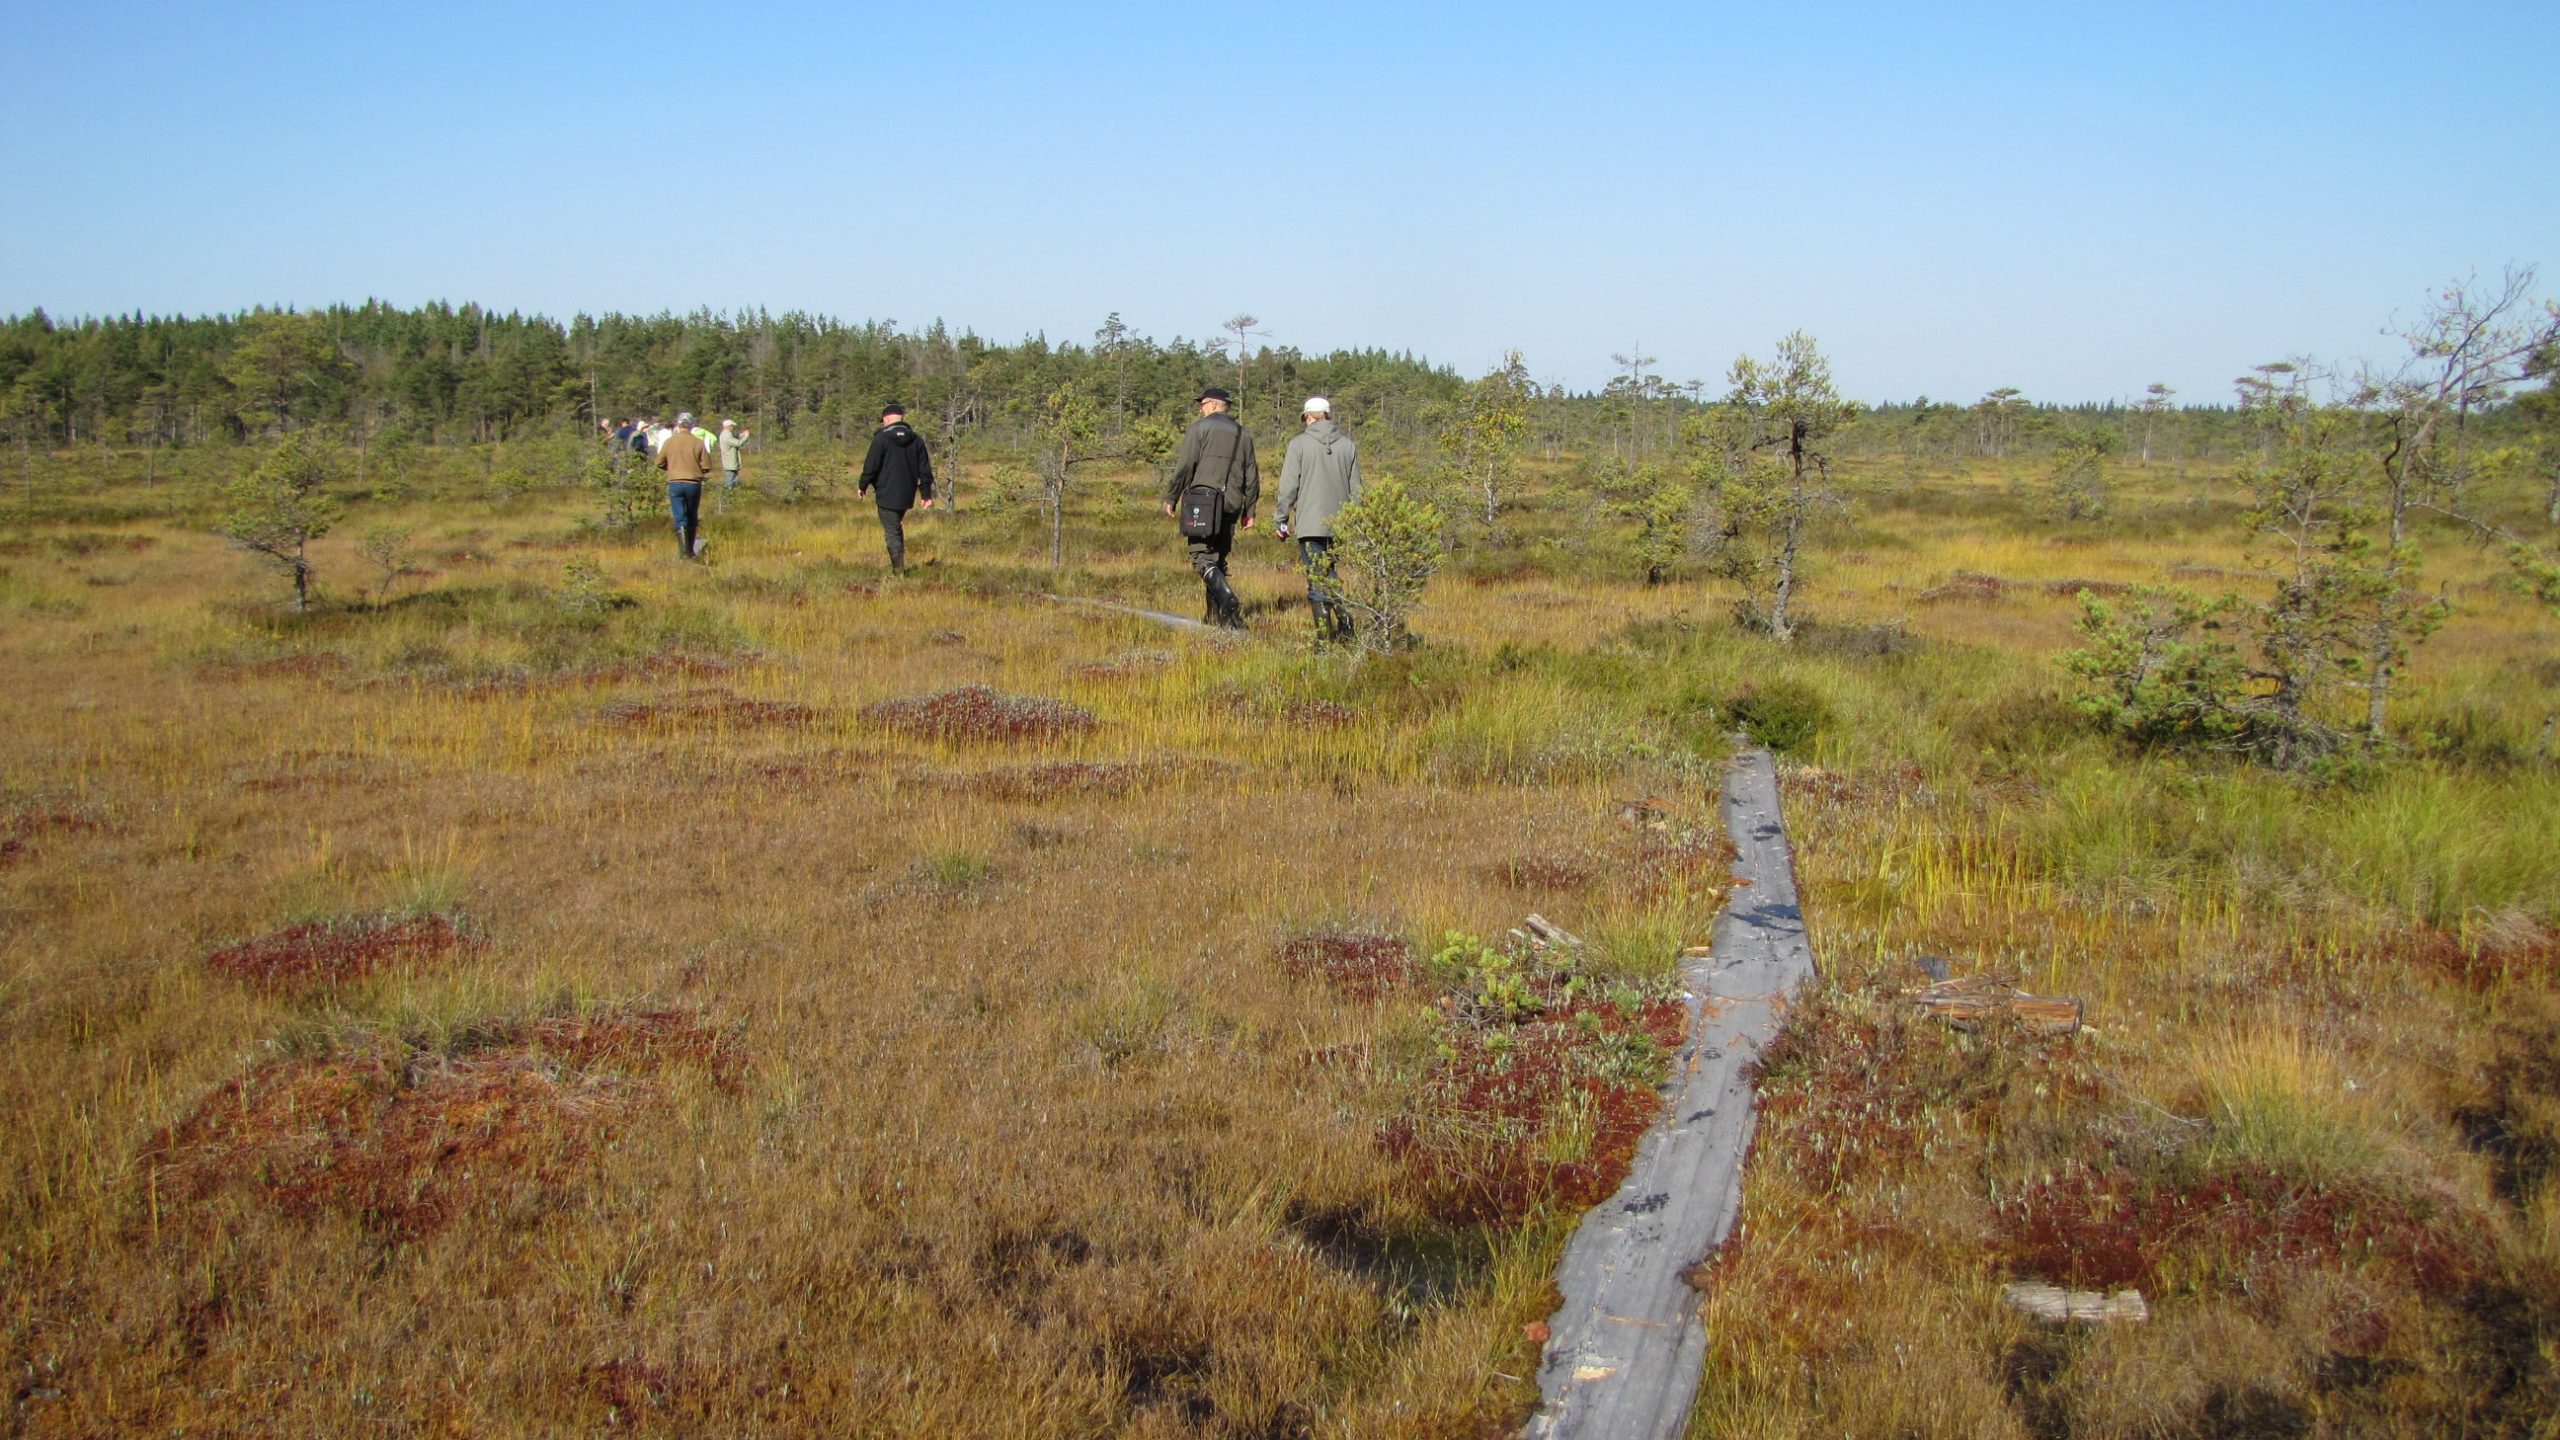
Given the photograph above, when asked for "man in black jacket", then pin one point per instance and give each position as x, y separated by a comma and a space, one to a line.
901, 470
1217, 454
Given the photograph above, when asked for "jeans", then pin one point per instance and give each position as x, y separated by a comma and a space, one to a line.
684, 499
731, 483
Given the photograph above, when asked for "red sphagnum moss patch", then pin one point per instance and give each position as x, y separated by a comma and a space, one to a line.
22, 825
2105, 1228
1124, 665
408, 1140
1542, 1113
1063, 779
1545, 871
708, 707
346, 947
976, 712
1361, 966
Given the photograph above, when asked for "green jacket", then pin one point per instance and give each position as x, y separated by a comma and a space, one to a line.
1216, 451
1319, 477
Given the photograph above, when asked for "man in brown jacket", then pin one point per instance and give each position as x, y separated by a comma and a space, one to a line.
688, 463
1217, 454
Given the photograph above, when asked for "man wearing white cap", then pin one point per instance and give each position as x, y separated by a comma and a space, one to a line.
1320, 475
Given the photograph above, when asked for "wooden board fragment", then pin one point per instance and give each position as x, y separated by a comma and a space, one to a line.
2056, 1306
1971, 1000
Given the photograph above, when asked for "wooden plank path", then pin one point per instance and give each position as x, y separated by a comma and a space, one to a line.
1625, 1353
1158, 616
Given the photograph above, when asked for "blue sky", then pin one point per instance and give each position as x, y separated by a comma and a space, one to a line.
1951, 198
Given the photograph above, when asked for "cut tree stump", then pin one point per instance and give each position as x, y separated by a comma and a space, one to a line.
1968, 1001
2056, 1306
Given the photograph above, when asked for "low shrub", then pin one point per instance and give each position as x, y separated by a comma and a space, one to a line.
1785, 715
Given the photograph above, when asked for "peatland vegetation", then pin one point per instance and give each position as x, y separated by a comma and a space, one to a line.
464, 972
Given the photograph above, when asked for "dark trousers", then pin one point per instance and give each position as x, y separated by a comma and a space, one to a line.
893, 528
684, 500
1208, 553
1333, 619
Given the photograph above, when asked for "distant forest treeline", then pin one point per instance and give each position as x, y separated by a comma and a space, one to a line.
462, 374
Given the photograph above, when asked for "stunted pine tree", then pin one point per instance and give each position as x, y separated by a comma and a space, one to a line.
1069, 434
2311, 519
276, 509
1387, 545
1241, 326
1767, 471
1662, 501
1111, 345
1996, 420
2077, 488
1482, 434
2275, 676
2155, 404
2471, 346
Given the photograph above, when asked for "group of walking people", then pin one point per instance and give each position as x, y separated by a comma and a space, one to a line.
1216, 482
687, 452
1211, 492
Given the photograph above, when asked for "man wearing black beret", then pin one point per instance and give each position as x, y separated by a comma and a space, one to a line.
1216, 458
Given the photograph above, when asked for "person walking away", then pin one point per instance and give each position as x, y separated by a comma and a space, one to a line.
655, 434
687, 462
732, 440
898, 474
1212, 491
1320, 475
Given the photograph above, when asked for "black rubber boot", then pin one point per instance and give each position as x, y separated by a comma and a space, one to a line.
1230, 609
691, 532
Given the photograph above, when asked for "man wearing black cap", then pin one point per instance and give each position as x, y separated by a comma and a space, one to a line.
902, 471
1217, 456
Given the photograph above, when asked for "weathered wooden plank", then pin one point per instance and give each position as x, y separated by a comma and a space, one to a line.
2057, 1306
1176, 622
1624, 1353
1974, 999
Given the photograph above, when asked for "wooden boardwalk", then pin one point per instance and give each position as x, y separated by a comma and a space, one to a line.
1624, 1354
1158, 616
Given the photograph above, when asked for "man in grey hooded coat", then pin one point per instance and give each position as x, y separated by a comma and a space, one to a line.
1319, 477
